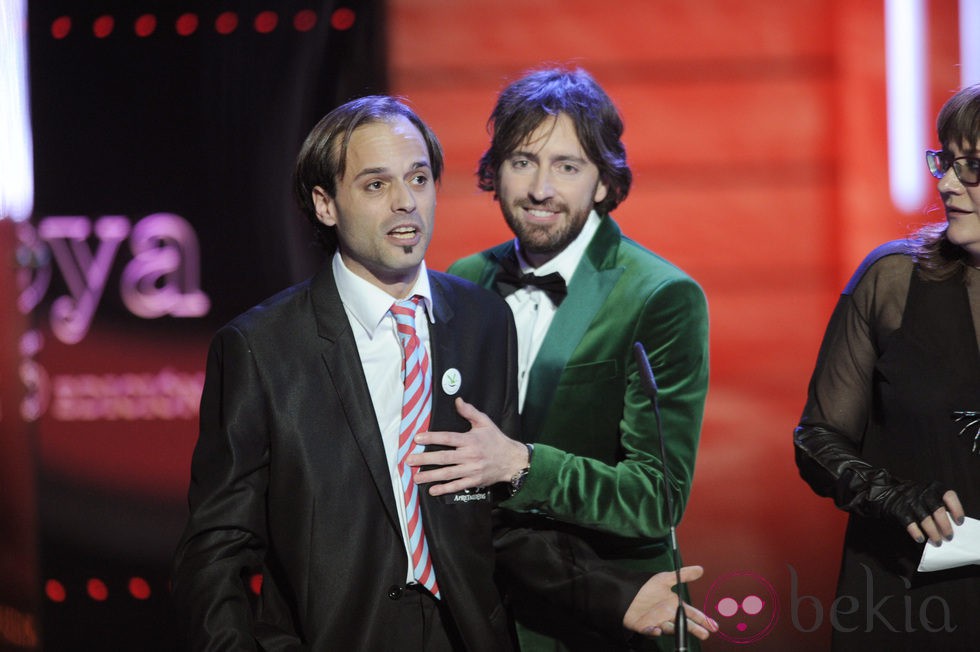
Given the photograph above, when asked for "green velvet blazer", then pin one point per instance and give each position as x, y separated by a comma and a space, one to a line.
597, 469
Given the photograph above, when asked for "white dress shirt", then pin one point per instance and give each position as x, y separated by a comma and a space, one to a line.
367, 307
533, 309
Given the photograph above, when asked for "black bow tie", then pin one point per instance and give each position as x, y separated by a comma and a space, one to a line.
509, 278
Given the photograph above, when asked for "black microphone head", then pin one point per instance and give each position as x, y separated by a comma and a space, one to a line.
646, 373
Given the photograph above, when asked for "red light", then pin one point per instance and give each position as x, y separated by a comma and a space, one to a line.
97, 589
145, 25
266, 21
342, 19
102, 26
255, 583
186, 24
226, 22
139, 588
304, 20
60, 27
55, 591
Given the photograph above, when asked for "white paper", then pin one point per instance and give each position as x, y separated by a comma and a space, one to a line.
963, 550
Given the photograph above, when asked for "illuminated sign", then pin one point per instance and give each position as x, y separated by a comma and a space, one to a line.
163, 277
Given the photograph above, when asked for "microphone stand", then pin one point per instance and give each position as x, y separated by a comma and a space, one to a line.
650, 389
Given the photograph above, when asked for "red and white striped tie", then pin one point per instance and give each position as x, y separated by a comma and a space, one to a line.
416, 407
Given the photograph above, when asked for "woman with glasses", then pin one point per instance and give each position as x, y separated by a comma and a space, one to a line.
891, 427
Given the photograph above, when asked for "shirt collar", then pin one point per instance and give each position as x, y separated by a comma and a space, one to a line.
367, 303
566, 262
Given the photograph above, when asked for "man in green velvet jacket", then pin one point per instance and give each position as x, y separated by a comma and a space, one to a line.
557, 167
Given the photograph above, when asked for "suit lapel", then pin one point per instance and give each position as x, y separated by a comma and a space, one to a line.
339, 353
592, 282
441, 342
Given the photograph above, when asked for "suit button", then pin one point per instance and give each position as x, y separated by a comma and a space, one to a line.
395, 592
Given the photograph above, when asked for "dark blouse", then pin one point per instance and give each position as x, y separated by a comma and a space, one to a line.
899, 356
869, 312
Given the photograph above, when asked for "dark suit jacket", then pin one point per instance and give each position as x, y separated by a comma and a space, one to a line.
289, 479
597, 466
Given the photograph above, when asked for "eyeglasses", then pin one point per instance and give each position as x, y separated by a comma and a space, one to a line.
967, 168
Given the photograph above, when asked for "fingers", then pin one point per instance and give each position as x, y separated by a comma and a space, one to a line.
915, 532
952, 502
471, 414
667, 579
450, 480
655, 606
698, 624
690, 573
666, 627
928, 528
467, 411
451, 439
938, 526
942, 523
452, 487
438, 474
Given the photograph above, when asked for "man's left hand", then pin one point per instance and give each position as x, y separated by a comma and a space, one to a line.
653, 609
478, 458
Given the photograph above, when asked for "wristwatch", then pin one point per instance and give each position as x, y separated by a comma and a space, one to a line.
517, 481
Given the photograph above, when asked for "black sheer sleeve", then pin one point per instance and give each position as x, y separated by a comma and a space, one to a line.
828, 439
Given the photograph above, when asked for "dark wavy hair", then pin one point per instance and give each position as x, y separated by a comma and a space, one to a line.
322, 159
958, 123
540, 94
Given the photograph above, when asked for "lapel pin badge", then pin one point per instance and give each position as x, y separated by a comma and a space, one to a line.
451, 381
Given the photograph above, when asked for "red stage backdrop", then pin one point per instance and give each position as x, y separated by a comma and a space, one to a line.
164, 138
757, 134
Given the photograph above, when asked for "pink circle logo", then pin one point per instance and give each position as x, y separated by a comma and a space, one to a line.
745, 605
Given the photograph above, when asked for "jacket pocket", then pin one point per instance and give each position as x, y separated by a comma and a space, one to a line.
589, 372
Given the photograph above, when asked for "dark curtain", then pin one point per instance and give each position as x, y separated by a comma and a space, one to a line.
163, 208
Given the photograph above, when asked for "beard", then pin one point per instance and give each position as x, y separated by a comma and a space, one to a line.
544, 238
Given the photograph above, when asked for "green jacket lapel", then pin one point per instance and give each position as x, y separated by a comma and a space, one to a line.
592, 282
492, 258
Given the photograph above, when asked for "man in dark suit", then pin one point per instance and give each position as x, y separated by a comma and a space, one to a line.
582, 294
310, 403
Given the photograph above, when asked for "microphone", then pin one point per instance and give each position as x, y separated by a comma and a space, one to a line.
650, 389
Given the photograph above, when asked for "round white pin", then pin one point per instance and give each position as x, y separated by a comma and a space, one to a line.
451, 380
